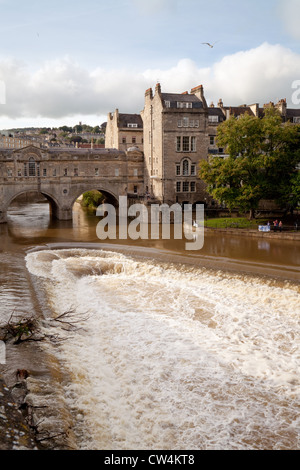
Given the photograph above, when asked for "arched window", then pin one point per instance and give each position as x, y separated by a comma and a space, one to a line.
31, 167
185, 168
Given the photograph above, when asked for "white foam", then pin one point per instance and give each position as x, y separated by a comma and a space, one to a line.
174, 358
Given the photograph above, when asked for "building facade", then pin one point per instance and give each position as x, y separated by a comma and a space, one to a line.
124, 131
8, 142
175, 139
175, 131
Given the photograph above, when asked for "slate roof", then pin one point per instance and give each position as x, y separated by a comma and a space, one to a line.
239, 110
216, 112
173, 98
290, 113
125, 119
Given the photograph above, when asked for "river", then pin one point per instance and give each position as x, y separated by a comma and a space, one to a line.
169, 349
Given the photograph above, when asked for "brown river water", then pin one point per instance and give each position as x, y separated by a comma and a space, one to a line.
174, 349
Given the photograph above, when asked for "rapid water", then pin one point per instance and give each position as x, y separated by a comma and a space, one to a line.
170, 356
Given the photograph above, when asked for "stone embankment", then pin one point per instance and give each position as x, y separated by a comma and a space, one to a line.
284, 235
14, 431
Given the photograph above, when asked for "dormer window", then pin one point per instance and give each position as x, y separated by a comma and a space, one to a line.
184, 104
132, 125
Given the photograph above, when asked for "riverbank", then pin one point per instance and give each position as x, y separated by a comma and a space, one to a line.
284, 235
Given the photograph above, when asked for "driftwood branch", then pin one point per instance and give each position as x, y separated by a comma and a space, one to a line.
69, 319
27, 329
21, 330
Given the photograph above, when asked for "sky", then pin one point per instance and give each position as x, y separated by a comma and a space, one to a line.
64, 61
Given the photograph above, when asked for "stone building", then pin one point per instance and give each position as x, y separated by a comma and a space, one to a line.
175, 131
8, 142
124, 131
175, 139
288, 114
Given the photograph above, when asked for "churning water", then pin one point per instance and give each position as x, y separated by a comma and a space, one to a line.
173, 357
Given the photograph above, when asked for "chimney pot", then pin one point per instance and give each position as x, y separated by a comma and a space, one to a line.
158, 88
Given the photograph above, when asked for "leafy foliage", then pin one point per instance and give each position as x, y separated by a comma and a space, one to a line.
92, 199
263, 155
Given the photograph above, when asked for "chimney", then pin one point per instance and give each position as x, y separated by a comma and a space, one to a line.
158, 89
149, 93
199, 92
281, 106
212, 105
116, 116
220, 103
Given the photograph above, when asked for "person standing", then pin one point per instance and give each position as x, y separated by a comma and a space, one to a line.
280, 226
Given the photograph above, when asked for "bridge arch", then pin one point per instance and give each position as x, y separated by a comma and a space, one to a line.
111, 197
53, 203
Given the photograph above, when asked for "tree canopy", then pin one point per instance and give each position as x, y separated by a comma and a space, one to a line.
261, 162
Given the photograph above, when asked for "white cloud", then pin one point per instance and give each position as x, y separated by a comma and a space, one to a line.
62, 88
263, 74
258, 75
289, 11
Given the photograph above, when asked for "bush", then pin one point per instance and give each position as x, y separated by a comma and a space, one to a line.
233, 222
92, 199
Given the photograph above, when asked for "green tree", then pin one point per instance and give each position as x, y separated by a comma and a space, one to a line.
65, 129
78, 128
293, 198
261, 163
77, 138
92, 199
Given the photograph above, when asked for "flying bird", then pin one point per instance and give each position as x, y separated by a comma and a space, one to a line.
210, 45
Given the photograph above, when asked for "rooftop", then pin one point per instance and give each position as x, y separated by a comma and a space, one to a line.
174, 98
125, 119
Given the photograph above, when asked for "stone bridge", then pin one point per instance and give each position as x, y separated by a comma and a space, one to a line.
62, 175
